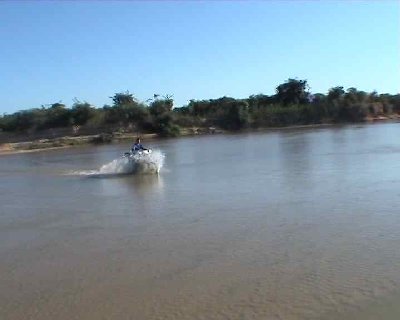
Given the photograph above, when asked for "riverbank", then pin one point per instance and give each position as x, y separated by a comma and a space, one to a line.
65, 142
37, 145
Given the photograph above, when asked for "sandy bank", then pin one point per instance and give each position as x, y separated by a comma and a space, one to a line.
70, 141
65, 142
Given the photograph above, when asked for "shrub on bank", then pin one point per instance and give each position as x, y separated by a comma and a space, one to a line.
292, 104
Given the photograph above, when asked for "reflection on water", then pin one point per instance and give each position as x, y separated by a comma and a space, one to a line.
295, 153
145, 184
292, 224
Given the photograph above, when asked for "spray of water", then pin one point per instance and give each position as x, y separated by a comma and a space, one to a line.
145, 163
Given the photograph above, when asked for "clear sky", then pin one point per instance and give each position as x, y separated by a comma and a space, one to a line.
56, 51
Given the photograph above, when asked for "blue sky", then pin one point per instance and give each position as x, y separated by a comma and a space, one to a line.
58, 51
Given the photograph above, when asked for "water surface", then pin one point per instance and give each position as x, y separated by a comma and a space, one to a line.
292, 224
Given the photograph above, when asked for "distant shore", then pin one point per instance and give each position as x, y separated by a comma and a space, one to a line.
65, 142
38, 145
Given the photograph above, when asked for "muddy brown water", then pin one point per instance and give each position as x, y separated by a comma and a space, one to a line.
292, 224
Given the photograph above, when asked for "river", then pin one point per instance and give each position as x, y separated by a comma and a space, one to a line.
286, 224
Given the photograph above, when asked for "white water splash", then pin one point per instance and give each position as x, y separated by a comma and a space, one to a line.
145, 163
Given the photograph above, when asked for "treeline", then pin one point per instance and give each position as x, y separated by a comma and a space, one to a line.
293, 104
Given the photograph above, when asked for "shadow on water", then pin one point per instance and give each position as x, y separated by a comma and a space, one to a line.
132, 175
119, 188
141, 185
143, 182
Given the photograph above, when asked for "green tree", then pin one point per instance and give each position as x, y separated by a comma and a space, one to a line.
234, 115
161, 106
82, 112
162, 116
126, 111
123, 98
293, 92
335, 93
57, 116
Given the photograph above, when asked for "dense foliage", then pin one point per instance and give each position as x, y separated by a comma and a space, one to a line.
292, 104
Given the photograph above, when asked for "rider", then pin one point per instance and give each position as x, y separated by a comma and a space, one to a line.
138, 146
